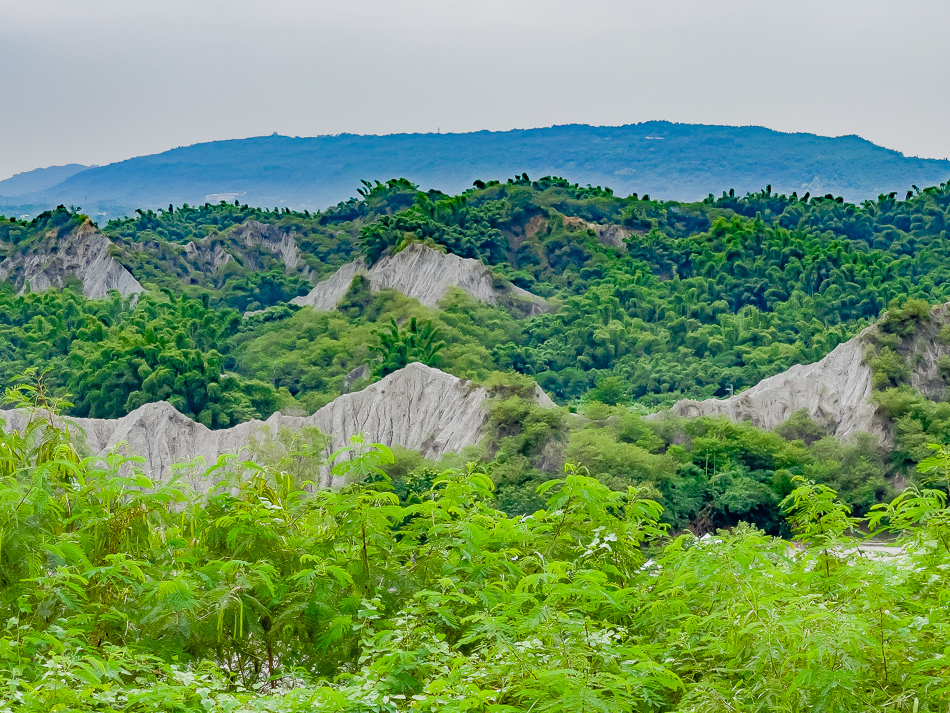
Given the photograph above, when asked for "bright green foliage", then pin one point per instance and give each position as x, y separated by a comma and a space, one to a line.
901, 345
502, 587
466, 230
261, 595
729, 472
166, 350
259, 290
706, 473
310, 353
399, 346
112, 357
654, 301
42, 328
610, 390
703, 297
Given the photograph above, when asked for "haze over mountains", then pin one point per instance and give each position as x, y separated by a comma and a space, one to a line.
39, 179
666, 160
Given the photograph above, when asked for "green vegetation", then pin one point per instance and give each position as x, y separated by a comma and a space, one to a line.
646, 580
707, 473
401, 346
165, 351
261, 595
919, 413
704, 296
699, 298
655, 301
112, 357
307, 354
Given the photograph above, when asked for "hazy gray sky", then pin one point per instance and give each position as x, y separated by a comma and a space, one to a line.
95, 81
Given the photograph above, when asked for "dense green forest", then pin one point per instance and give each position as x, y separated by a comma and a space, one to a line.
263, 595
699, 297
694, 301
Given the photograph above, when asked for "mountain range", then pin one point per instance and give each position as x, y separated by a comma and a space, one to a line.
682, 162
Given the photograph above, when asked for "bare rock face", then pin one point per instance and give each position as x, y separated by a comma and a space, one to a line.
924, 350
209, 255
424, 273
542, 399
611, 235
835, 391
357, 374
244, 241
417, 407
527, 303
327, 294
83, 253
253, 233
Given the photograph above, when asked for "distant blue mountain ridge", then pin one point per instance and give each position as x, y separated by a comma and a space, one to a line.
666, 160
38, 180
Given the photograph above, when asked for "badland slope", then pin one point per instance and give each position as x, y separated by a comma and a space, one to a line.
838, 391
835, 392
82, 253
425, 274
417, 407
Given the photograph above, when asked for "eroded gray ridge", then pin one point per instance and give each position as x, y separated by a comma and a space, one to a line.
253, 233
83, 253
835, 391
417, 407
421, 272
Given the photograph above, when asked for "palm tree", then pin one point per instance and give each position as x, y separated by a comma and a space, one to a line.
399, 346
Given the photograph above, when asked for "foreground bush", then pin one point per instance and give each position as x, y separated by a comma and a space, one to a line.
262, 595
